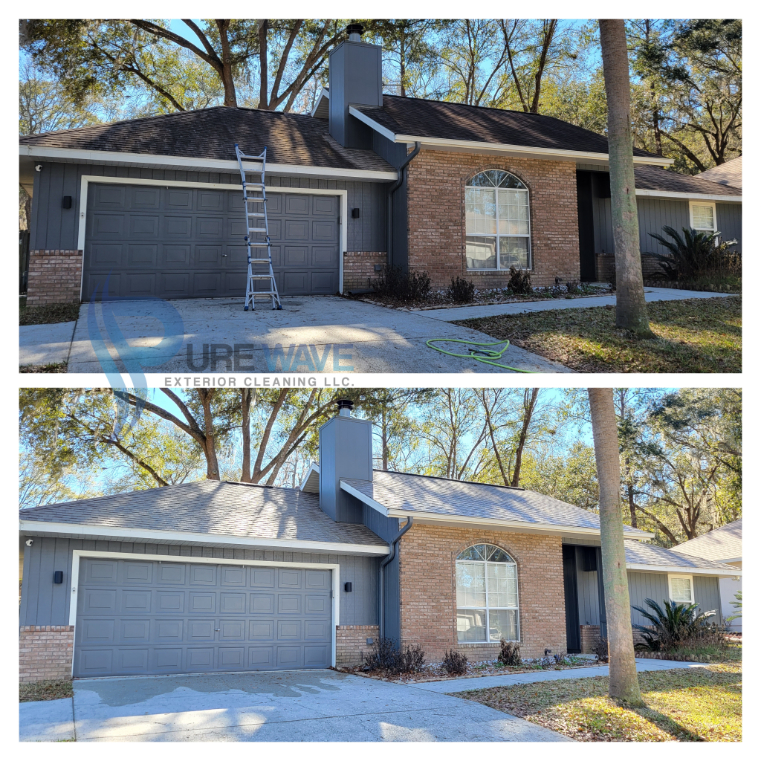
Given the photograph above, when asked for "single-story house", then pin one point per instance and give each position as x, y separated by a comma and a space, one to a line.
219, 576
722, 545
153, 206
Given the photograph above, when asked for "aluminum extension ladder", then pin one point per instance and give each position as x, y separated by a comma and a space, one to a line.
256, 222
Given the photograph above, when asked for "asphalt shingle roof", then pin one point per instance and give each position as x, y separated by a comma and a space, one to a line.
456, 121
638, 553
414, 494
720, 544
211, 507
211, 133
655, 178
729, 173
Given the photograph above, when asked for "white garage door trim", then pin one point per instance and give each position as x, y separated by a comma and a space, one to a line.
343, 196
335, 576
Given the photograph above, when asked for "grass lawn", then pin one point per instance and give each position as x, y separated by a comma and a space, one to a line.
29, 692
693, 336
48, 314
687, 705
51, 367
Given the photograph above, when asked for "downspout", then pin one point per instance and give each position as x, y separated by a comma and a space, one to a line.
389, 201
381, 574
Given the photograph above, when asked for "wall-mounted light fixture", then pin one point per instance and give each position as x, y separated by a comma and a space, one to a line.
66, 202
58, 577
355, 213
347, 586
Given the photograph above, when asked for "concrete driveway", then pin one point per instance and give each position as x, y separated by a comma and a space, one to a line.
310, 334
290, 706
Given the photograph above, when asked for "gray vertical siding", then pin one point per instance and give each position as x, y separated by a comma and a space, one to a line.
589, 608
46, 604
396, 154
707, 595
729, 221
53, 227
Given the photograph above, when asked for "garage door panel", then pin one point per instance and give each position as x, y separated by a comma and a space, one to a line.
151, 617
137, 235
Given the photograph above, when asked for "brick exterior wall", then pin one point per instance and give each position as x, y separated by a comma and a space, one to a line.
590, 635
436, 208
359, 268
55, 277
351, 643
606, 267
45, 652
428, 602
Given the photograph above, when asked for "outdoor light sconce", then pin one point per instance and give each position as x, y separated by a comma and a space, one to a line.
355, 213
347, 586
58, 577
66, 202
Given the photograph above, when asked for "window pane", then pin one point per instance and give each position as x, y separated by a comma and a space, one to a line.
513, 252
510, 181
480, 211
681, 590
481, 253
499, 556
503, 624
702, 218
513, 212
497, 573
484, 179
471, 590
471, 625
472, 553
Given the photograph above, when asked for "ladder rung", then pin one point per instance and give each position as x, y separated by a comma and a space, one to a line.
258, 245
258, 261
256, 214
260, 200
257, 229
259, 277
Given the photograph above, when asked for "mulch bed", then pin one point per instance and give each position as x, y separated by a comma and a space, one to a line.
30, 692
49, 314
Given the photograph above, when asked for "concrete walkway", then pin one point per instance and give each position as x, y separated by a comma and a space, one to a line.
46, 720
547, 305
45, 344
510, 680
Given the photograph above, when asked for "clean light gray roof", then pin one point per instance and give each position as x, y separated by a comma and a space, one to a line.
655, 178
729, 173
638, 553
426, 494
720, 544
210, 507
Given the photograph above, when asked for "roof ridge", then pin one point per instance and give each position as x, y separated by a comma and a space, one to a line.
444, 478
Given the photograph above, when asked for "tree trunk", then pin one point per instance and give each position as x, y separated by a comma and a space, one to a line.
529, 405
263, 64
623, 671
231, 99
212, 466
245, 402
631, 310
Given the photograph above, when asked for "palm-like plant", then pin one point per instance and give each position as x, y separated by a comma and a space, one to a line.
694, 254
669, 625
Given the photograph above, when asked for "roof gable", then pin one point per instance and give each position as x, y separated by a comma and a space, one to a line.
722, 543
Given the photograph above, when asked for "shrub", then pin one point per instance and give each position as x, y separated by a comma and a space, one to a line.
601, 650
462, 291
402, 285
671, 625
510, 653
454, 662
737, 604
519, 282
387, 656
694, 255
573, 286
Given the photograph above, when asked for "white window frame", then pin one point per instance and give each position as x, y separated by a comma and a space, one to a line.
486, 607
499, 235
712, 204
692, 586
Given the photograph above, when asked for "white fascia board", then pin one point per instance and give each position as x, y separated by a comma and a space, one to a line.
476, 145
314, 469
318, 102
369, 501
186, 537
688, 196
182, 162
679, 570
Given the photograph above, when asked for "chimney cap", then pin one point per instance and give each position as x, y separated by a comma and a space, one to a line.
355, 29
344, 404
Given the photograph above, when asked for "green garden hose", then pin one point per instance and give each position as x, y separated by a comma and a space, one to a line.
482, 355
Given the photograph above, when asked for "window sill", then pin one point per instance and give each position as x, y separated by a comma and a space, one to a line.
500, 272
465, 644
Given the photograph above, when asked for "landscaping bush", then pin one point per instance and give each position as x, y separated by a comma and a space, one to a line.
601, 650
695, 255
387, 656
510, 653
573, 287
462, 291
519, 282
402, 285
674, 625
454, 662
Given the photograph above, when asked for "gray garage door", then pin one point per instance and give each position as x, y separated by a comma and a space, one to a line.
176, 243
149, 617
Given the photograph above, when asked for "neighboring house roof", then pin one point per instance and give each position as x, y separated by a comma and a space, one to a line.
217, 508
729, 173
211, 133
641, 556
657, 179
419, 118
721, 544
407, 494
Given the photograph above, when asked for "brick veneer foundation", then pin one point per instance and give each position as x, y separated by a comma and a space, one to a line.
436, 208
359, 268
428, 602
590, 636
606, 267
351, 643
45, 652
55, 277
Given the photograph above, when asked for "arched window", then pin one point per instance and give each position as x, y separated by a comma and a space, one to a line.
497, 227
487, 595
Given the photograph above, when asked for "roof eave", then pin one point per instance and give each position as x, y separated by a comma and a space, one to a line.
476, 145
688, 196
684, 570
